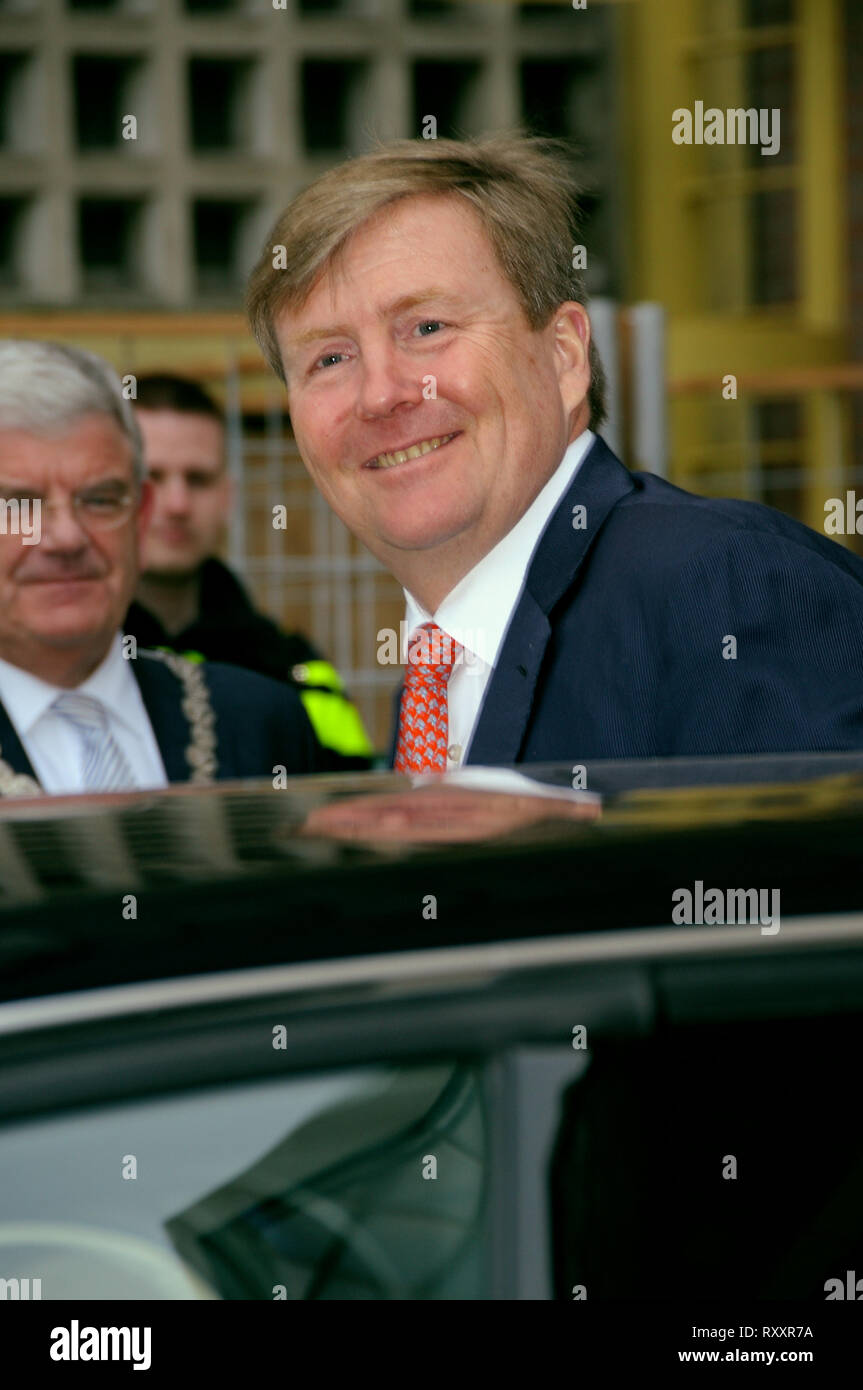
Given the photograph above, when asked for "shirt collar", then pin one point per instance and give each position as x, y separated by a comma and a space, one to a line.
26, 697
476, 612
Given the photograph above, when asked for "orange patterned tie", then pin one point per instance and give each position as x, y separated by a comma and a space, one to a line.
423, 719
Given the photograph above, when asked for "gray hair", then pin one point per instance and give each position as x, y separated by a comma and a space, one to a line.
44, 386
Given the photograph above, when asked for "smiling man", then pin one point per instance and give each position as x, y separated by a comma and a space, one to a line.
443, 477
421, 306
75, 713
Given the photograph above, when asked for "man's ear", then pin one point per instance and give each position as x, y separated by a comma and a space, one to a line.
572, 347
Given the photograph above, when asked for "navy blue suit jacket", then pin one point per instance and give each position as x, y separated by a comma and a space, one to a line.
619, 645
260, 723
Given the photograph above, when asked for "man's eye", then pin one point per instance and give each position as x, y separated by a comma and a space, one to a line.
329, 359
101, 502
433, 324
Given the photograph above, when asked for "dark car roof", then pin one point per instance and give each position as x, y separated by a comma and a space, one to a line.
151, 886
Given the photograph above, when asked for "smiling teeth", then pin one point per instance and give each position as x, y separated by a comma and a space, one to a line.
414, 452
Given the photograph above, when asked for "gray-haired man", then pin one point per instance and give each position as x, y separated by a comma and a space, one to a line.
75, 713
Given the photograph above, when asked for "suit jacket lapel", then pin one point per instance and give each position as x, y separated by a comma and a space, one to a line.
162, 694
12, 749
598, 486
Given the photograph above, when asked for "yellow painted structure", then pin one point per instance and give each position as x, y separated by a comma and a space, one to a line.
688, 233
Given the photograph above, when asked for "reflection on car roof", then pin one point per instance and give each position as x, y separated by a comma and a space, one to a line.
149, 885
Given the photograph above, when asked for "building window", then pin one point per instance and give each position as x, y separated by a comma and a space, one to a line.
106, 89
220, 104
220, 229
445, 90
109, 239
332, 104
13, 213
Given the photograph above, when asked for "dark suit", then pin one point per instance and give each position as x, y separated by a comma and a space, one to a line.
228, 629
260, 723
619, 643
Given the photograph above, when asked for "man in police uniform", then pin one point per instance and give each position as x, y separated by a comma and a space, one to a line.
189, 601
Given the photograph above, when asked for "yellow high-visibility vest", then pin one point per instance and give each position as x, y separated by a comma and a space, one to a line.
334, 719
336, 722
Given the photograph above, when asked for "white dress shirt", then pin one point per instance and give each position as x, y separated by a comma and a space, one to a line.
56, 748
478, 610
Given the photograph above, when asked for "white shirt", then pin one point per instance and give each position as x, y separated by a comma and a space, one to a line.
478, 610
53, 744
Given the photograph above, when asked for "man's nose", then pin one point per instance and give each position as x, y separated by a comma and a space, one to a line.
173, 496
62, 530
387, 381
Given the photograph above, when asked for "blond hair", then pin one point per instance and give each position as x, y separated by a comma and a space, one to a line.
521, 186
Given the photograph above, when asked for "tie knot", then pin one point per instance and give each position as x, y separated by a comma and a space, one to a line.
84, 711
431, 651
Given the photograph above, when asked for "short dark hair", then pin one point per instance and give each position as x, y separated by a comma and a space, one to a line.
162, 391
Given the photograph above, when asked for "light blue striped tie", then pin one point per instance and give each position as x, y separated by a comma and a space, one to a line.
104, 767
